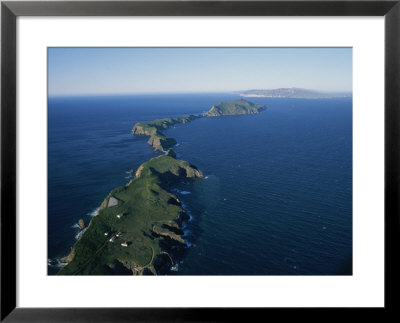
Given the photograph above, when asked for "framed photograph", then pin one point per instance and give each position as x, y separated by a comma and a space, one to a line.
234, 157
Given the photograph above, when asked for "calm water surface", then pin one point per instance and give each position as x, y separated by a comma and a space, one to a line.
276, 200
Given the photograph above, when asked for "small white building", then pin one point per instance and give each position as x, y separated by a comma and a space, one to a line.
124, 244
112, 239
106, 233
120, 215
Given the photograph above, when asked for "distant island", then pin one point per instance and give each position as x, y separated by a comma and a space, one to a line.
294, 93
139, 225
234, 108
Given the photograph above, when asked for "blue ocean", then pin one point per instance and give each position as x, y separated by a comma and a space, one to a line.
277, 194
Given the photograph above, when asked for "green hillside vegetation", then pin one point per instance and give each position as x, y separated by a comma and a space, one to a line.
236, 107
150, 225
154, 129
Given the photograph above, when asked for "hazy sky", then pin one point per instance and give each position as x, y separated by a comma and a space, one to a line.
79, 71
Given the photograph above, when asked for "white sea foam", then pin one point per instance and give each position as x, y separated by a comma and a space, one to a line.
206, 177
175, 268
187, 212
184, 225
94, 212
55, 263
79, 234
181, 192
186, 233
76, 226
130, 175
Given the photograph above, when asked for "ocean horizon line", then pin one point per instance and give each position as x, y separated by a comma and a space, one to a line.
60, 96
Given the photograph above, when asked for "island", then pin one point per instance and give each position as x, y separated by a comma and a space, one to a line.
136, 225
294, 93
139, 225
234, 108
153, 129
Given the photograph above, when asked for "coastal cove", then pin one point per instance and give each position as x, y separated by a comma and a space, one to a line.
265, 197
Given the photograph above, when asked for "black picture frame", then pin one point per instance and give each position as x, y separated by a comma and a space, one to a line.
10, 10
